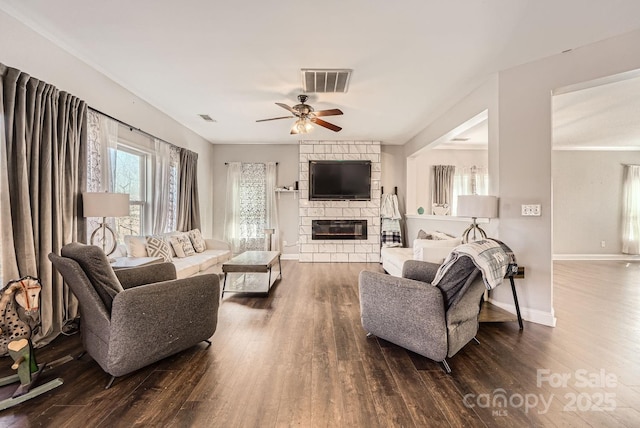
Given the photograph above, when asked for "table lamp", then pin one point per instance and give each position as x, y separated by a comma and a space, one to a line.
104, 204
476, 206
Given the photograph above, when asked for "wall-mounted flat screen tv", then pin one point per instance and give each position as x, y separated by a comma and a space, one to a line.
339, 180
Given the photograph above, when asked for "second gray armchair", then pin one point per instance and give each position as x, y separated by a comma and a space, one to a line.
433, 321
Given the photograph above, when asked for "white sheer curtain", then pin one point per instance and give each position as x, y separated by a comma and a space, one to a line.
232, 206
271, 205
250, 205
102, 140
631, 210
101, 158
469, 180
165, 187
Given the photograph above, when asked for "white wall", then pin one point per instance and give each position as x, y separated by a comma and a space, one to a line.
525, 153
587, 202
26, 50
287, 157
520, 142
427, 159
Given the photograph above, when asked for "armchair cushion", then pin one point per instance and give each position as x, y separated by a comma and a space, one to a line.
419, 270
96, 266
141, 275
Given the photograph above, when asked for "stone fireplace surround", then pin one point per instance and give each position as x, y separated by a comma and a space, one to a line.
336, 250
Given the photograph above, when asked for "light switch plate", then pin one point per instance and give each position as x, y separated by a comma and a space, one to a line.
531, 210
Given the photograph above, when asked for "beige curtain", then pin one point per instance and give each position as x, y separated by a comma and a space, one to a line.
188, 202
442, 185
42, 172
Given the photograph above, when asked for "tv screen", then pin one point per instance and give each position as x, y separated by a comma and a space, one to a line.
340, 180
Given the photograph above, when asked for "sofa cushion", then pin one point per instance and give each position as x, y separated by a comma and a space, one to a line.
182, 245
186, 266
433, 235
197, 240
434, 250
393, 259
95, 265
136, 246
157, 246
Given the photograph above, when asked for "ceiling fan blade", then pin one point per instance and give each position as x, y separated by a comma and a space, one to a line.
327, 125
276, 118
332, 112
286, 107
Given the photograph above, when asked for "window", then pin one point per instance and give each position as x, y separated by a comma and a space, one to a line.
131, 177
472, 180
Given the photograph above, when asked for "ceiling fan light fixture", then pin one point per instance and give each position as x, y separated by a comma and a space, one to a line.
302, 126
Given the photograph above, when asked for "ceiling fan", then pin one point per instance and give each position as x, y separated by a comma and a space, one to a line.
306, 116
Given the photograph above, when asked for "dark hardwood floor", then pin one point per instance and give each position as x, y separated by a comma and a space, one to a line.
300, 358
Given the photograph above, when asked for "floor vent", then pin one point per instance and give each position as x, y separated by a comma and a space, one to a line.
325, 80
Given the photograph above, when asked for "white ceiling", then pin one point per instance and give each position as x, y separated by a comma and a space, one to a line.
233, 61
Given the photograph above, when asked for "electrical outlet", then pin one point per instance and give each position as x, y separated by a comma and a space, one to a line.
284, 243
603, 244
531, 210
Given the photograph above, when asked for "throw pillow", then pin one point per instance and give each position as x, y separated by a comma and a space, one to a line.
158, 247
96, 266
434, 250
433, 235
182, 245
197, 240
136, 246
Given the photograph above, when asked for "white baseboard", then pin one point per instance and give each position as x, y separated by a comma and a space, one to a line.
621, 257
532, 315
289, 256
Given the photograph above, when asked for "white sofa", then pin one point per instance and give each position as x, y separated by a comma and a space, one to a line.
428, 250
208, 261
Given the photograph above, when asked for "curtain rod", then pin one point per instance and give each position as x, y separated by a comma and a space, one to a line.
227, 163
131, 128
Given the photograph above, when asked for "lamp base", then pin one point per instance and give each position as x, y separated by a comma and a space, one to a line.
100, 237
473, 228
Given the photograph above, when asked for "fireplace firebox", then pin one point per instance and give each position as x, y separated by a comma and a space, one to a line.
339, 229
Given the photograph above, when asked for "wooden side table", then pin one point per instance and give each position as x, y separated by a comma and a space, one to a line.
492, 313
520, 274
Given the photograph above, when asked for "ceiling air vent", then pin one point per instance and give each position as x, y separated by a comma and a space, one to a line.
325, 80
207, 118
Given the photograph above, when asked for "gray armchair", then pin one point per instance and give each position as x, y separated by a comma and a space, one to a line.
134, 317
433, 321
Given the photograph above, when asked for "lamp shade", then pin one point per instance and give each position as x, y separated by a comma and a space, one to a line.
478, 206
103, 204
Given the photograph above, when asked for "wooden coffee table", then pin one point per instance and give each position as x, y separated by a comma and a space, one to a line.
251, 272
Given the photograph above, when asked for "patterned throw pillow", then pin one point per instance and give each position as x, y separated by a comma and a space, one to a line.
182, 245
158, 247
436, 236
197, 240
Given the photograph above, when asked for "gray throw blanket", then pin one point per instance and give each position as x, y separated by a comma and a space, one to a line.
492, 257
